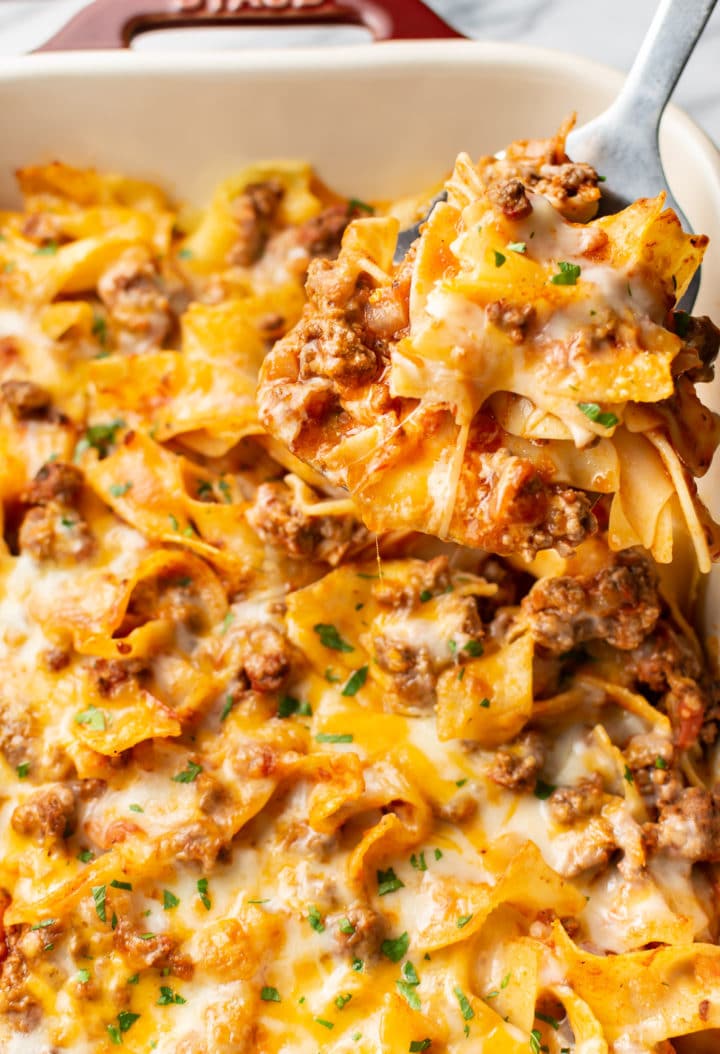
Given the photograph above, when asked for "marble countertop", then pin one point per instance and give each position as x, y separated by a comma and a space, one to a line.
608, 31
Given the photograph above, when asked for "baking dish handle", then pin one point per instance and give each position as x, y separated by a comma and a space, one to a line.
114, 23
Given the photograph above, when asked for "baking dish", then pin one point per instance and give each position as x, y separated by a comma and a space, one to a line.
377, 120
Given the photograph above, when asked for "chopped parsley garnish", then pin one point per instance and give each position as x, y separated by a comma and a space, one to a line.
101, 437
346, 926
269, 994
342, 1000
189, 774
410, 974
463, 921
202, 888
452, 645
499, 258
505, 981
388, 882
167, 997
362, 206
356, 681
99, 328
134, 807
126, 1019
227, 707
170, 901
536, 1044
396, 949
418, 1045
543, 790
330, 638
44, 924
334, 737
660, 763
407, 991
118, 489
82, 976
425, 595
99, 894
121, 885
23, 769
461, 783
315, 920
593, 412
135, 979
517, 247
628, 775
47, 250
438, 854
174, 522
224, 488
227, 621
465, 1009
92, 717
418, 862
473, 648
568, 274
85, 856
548, 1020
331, 677
323, 1022
114, 1033
288, 706
147, 936
358, 965
485, 703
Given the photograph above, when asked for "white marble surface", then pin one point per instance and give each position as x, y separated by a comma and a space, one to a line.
606, 30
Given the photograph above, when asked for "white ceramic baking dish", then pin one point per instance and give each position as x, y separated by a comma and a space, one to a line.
376, 120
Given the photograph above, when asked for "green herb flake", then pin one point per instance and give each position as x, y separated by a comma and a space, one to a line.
396, 949
119, 489
93, 718
463, 921
505, 981
358, 965
47, 250
492, 995
135, 979
548, 1020
461, 674
330, 638
170, 901
517, 247
44, 924
407, 991
315, 920
168, 997
418, 862
425, 595
437, 853
628, 776
174, 522
101, 436
99, 894
660, 763
473, 648
388, 882
452, 646
121, 885
202, 888
593, 412
485, 703
461, 783
355, 204
85, 856
536, 1041
82, 976
568, 274
342, 1000
227, 707
543, 790
356, 681
465, 1009
189, 774
322, 1021
99, 328
418, 1045
224, 488
23, 769
346, 926
114, 1033
334, 737
134, 807
268, 994
126, 1019
410, 974
185, 254
331, 677
499, 258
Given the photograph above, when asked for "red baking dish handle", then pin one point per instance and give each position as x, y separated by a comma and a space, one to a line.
114, 23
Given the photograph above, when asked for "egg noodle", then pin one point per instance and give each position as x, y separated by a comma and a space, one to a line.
366, 716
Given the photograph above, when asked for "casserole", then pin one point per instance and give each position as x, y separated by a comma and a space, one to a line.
300, 117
